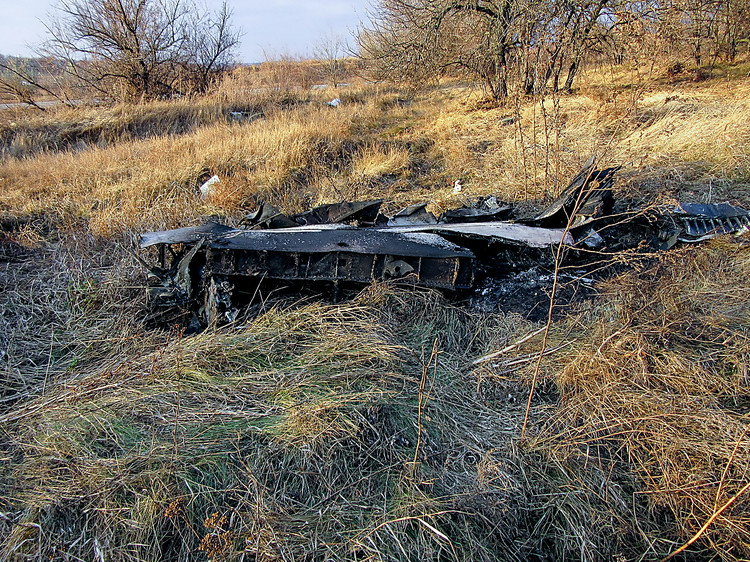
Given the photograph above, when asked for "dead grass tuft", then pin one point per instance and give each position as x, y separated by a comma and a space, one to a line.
66, 306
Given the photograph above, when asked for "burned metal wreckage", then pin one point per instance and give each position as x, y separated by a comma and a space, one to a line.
207, 268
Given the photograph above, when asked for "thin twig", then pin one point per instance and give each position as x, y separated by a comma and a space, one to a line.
508, 348
555, 283
706, 525
729, 463
423, 400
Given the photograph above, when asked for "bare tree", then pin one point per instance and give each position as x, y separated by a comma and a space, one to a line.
140, 49
330, 51
210, 46
734, 27
521, 44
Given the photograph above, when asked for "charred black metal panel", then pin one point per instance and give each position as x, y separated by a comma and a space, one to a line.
189, 235
338, 238
699, 221
363, 213
454, 272
693, 222
586, 198
210, 267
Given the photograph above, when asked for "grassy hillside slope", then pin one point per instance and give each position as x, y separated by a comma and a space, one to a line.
365, 430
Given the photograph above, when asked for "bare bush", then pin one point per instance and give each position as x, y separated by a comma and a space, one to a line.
141, 49
529, 46
522, 44
330, 52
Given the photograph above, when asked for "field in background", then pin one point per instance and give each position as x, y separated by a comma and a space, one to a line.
363, 430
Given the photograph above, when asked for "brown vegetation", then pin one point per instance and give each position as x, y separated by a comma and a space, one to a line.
363, 430
528, 47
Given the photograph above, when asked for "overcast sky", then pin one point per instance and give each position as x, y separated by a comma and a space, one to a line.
272, 27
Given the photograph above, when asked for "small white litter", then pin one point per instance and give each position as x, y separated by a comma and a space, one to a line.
207, 187
457, 187
335, 102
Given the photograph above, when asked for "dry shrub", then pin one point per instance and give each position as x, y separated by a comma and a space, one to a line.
657, 388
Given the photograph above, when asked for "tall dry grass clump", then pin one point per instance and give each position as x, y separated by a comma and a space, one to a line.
65, 306
656, 388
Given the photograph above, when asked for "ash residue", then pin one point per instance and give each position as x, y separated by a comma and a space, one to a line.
528, 292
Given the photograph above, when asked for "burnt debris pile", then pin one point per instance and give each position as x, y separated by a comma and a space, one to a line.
210, 271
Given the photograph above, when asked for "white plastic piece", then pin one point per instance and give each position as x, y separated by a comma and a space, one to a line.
207, 188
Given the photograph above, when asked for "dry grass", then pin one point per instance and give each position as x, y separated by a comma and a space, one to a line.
294, 157
79, 128
294, 435
66, 306
682, 135
154, 183
298, 431
303, 433
383, 145
657, 389
376, 161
